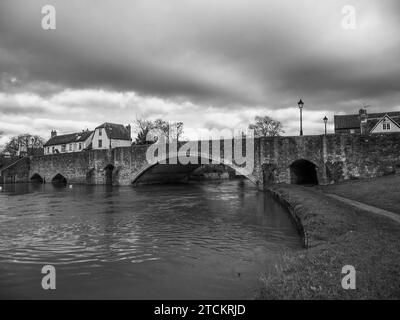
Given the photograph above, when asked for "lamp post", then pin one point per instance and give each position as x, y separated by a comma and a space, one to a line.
325, 120
301, 105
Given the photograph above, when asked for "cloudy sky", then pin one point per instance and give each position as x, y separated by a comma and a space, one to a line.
208, 63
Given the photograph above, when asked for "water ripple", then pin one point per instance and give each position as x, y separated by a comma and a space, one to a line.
146, 235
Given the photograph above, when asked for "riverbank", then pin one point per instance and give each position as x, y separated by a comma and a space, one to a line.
336, 235
383, 192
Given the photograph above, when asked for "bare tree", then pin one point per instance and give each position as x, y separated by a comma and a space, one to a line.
266, 127
171, 131
143, 128
162, 127
178, 130
1, 146
24, 142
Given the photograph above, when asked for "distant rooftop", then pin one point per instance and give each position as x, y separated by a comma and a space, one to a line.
68, 138
352, 121
116, 131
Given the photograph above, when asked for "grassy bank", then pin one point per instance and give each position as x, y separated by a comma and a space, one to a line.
381, 192
338, 235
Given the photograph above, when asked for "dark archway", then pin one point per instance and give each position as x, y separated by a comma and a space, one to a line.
90, 176
303, 172
36, 178
59, 179
108, 171
169, 171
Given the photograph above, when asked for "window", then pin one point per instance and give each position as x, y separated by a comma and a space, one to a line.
386, 126
52, 150
63, 147
70, 147
100, 143
80, 146
48, 149
100, 132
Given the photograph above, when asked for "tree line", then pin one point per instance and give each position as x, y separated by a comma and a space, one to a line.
263, 126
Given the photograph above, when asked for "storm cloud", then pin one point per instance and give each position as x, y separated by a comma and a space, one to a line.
207, 63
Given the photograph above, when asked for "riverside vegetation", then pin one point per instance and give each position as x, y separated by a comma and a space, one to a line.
339, 235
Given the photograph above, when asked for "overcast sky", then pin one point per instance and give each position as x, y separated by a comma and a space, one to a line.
208, 63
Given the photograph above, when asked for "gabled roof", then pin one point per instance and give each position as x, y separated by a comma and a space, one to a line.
377, 122
115, 131
352, 121
348, 121
394, 114
68, 138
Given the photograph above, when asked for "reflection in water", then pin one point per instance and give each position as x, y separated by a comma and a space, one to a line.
203, 240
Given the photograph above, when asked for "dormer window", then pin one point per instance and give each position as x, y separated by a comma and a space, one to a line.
386, 125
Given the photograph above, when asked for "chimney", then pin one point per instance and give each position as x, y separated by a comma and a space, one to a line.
53, 133
128, 127
363, 120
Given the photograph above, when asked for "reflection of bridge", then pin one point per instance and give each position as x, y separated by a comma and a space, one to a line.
307, 159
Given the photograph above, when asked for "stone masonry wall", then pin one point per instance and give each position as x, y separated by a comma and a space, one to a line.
336, 158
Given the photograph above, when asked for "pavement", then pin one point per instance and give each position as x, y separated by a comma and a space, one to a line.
366, 207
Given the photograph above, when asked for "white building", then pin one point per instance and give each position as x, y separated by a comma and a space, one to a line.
385, 124
74, 142
111, 135
105, 136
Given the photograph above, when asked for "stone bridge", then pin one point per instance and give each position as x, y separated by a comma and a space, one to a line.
321, 159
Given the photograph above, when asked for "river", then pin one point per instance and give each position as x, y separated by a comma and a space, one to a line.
204, 240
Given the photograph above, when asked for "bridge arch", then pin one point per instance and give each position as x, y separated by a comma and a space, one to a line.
165, 166
89, 177
59, 179
303, 172
108, 174
37, 178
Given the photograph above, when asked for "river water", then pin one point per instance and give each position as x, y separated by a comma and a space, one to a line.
206, 240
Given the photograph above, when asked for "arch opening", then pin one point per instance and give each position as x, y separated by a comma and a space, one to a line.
303, 172
36, 178
59, 179
90, 176
169, 171
108, 172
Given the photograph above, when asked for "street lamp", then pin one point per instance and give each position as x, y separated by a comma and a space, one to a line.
301, 105
325, 120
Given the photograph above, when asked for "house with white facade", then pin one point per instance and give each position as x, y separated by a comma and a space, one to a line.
105, 136
111, 135
368, 123
386, 124
73, 142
